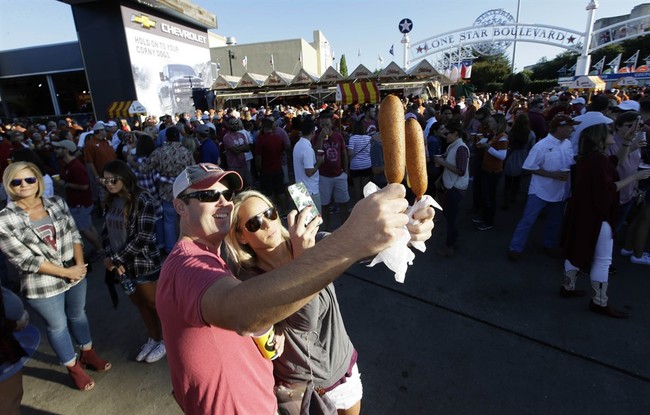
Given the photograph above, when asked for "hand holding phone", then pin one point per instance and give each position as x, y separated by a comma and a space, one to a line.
302, 199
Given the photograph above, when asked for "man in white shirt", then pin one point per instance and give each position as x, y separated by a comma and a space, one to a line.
305, 162
595, 115
549, 163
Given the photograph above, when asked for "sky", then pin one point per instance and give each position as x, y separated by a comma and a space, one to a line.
365, 27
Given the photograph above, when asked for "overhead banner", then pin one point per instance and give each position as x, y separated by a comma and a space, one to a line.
361, 92
168, 60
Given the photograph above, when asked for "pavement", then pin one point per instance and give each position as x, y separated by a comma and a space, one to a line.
471, 334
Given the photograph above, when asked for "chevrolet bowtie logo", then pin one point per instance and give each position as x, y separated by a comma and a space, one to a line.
144, 21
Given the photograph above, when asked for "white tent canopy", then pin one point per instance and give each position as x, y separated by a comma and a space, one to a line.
393, 70
251, 79
278, 78
361, 72
588, 82
330, 75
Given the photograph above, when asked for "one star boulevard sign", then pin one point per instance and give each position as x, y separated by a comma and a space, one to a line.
405, 26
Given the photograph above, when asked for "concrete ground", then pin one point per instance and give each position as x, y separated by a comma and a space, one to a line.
472, 334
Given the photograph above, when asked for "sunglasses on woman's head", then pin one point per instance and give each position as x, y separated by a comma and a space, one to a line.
18, 182
110, 180
255, 223
208, 196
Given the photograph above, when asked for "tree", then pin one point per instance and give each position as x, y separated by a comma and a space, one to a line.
343, 66
489, 69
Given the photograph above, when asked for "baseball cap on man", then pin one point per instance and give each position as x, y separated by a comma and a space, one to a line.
629, 105
561, 120
99, 125
203, 129
579, 100
67, 144
203, 175
111, 123
553, 98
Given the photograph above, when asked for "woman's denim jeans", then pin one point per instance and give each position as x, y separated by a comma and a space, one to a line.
60, 313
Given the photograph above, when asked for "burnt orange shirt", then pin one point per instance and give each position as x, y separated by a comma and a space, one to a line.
492, 164
99, 153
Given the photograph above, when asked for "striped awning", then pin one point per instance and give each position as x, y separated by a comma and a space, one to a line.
362, 92
125, 109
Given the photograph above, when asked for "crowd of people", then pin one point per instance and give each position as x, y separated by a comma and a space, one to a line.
198, 229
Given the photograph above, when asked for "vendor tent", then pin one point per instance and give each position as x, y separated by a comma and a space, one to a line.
278, 78
330, 76
627, 81
361, 72
304, 78
225, 82
588, 83
393, 70
251, 80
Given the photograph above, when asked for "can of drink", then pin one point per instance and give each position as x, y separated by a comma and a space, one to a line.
265, 343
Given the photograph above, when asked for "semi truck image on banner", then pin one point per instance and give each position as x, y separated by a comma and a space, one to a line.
168, 60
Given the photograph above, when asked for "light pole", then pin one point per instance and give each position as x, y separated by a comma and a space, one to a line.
584, 61
231, 56
514, 44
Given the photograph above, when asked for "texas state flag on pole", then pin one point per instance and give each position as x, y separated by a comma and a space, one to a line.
466, 69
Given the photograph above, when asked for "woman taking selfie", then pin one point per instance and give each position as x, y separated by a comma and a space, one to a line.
129, 238
39, 236
259, 243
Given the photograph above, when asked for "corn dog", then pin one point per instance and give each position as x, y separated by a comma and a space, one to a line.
416, 160
391, 127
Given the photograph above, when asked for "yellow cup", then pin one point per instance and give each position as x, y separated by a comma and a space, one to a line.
56, 177
266, 344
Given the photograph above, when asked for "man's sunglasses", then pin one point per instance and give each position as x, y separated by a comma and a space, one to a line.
207, 196
18, 182
111, 180
255, 223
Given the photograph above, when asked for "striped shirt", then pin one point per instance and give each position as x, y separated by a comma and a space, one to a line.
360, 157
27, 250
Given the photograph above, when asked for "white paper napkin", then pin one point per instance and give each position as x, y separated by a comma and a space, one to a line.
399, 256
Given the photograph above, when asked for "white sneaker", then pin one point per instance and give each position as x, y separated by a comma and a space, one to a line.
625, 252
642, 260
156, 354
146, 349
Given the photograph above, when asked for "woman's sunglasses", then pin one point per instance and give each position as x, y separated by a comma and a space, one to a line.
111, 180
18, 182
255, 223
208, 196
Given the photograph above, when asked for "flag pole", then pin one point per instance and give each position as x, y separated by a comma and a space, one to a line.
405, 42
514, 44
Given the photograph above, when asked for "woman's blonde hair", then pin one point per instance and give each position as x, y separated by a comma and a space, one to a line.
240, 253
12, 170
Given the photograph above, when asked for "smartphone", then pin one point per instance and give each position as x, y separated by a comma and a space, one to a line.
302, 199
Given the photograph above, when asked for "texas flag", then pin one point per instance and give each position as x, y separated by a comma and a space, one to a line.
466, 69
